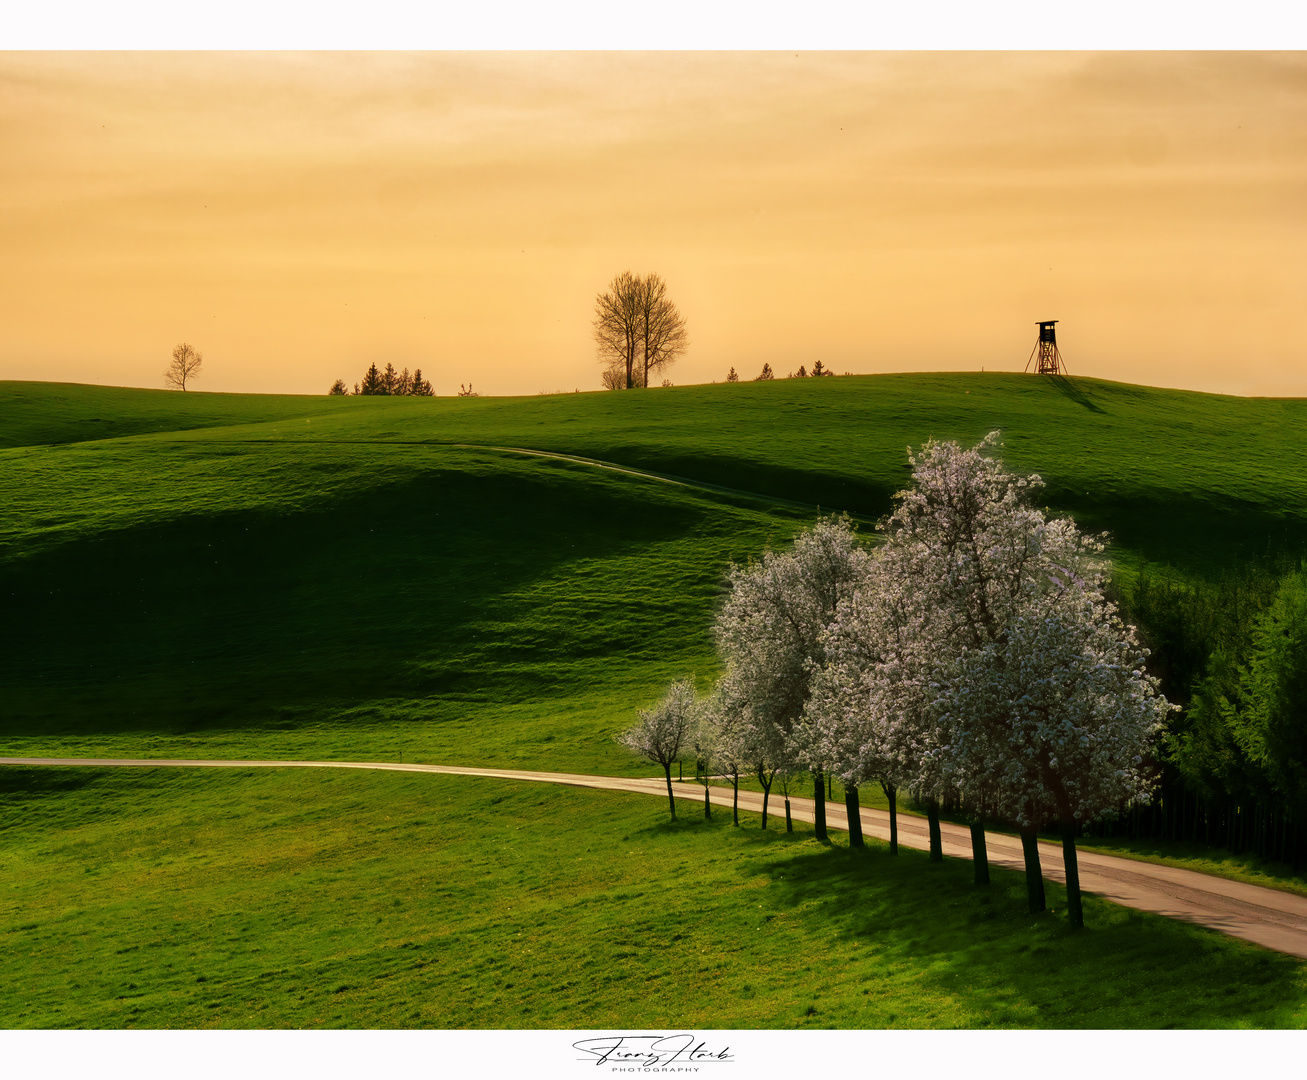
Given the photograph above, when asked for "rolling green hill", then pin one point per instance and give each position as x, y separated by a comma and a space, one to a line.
314, 568
212, 575
1177, 476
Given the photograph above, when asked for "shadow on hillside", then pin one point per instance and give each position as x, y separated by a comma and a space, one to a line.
830, 492
982, 944
43, 781
1068, 388
1198, 536
392, 592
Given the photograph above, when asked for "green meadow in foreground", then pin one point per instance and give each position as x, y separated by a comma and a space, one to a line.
262, 898
234, 576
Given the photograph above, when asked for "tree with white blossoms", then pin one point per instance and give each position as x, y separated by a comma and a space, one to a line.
718, 751
1064, 696
962, 546
706, 742
770, 634
868, 701
664, 731
742, 746
1014, 682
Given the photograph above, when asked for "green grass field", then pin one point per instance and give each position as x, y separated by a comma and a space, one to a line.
195, 898
238, 576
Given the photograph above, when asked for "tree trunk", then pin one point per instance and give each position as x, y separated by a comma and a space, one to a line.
936, 843
766, 794
735, 797
819, 804
1074, 911
670, 801
892, 795
979, 854
1034, 876
789, 821
707, 806
854, 812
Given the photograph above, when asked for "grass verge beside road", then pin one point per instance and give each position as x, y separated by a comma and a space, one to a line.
191, 898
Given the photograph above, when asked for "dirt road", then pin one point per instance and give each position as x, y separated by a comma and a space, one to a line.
1268, 917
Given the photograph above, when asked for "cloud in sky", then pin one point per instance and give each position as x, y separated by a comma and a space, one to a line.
298, 215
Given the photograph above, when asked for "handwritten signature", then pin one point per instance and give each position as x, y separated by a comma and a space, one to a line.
650, 1051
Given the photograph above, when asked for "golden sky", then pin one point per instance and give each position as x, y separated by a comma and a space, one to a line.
298, 215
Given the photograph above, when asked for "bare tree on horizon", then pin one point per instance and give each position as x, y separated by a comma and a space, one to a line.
617, 330
185, 364
637, 330
662, 327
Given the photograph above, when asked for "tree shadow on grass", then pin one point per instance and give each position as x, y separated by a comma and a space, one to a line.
689, 816
43, 781
1125, 969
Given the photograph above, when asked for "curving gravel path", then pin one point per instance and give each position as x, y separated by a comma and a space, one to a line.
1267, 917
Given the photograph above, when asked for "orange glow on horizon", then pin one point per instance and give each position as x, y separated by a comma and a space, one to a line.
299, 215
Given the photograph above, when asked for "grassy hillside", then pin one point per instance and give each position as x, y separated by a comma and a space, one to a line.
335, 574
1178, 477
40, 414
180, 898
354, 599
228, 575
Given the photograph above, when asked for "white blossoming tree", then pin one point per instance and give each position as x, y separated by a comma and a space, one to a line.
709, 752
989, 663
664, 731
770, 633
1064, 697
719, 749
867, 707
963, 546
744, 746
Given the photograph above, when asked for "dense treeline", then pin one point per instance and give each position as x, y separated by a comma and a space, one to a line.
1233, 762
387, 383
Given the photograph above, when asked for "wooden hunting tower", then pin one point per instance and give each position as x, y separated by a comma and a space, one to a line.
1049, 359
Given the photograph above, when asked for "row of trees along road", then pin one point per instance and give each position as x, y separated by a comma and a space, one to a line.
638, 332
973, 655
387, 383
